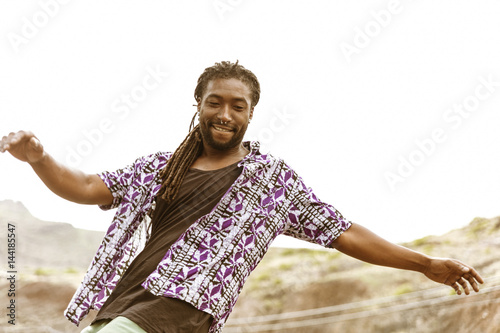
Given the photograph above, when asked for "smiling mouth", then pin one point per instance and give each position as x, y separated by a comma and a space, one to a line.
222, 129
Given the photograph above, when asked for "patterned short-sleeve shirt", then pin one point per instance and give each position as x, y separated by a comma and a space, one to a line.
209, 263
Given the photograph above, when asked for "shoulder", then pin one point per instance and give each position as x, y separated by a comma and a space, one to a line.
152, 162
275, 168
256, 156
158, 156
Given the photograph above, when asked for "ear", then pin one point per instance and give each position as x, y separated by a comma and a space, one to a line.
198, 106
251, 114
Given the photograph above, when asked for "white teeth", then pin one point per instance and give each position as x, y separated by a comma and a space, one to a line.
221, 129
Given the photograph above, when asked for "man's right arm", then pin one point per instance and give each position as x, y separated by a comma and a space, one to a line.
68, 183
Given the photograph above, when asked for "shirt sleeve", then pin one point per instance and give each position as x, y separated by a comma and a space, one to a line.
119, 181
312, 220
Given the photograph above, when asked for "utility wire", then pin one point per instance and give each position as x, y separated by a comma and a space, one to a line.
431, 297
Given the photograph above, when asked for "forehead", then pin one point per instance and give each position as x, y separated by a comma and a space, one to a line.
228, 88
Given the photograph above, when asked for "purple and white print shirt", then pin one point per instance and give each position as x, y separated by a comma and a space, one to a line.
209, 263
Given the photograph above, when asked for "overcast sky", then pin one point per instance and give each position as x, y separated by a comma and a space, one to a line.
389, 110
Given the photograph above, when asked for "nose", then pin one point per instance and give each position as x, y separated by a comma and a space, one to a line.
224, 114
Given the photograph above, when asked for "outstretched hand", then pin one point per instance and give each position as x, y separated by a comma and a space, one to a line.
24, 146
453, 273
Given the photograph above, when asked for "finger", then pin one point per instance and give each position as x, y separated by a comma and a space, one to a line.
473, 277
472, 281
6, 141
474, 285
464, 285
19, 136
470, 275
463, 268
10, 138
456, 286
476, 275
3, 144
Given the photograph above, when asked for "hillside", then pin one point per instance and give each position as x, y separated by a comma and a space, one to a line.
42, 244
345, 295
352, 296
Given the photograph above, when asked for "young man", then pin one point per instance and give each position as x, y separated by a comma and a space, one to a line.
191, 226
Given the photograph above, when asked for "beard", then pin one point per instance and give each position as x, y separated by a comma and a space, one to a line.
234, 141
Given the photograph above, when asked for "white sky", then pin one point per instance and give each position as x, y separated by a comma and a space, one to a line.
340, 107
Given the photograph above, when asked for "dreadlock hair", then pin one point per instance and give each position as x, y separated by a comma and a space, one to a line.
190, 149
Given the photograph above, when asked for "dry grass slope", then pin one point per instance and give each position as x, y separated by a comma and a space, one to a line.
352, 296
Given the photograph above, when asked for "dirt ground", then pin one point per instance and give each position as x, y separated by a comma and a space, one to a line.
351, 296
40, 306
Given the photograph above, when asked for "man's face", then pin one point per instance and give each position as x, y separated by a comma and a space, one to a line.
225, 110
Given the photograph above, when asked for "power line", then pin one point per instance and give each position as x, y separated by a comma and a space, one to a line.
431, 297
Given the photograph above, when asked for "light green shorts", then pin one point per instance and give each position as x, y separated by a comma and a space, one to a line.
117, 325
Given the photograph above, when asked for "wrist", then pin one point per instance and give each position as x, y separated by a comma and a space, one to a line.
40, 161
414, 261
424, 263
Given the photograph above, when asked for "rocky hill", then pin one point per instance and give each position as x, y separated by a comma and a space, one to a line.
41, 244
305, 291
292, 290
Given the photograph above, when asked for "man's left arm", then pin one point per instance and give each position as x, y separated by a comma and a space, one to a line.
362, 244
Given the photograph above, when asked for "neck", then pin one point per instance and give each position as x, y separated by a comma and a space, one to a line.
212, 158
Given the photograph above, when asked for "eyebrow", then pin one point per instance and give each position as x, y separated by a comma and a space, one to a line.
237, 99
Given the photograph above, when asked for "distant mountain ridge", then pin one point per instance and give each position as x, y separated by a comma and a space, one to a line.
41, 244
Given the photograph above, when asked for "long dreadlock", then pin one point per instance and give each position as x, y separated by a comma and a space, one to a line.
191, 148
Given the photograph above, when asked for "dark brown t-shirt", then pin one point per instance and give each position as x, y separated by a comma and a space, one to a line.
197, 196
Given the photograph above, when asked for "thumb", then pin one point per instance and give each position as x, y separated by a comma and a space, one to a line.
35, 152
36, 145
